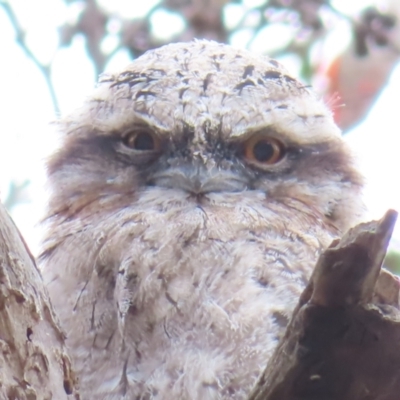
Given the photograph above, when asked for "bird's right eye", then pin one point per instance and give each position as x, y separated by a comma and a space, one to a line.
141, 141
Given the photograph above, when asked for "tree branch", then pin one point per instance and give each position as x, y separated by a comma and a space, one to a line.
33, 360
343, 340
20, 36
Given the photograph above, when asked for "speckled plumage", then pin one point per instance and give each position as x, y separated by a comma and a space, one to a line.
174, 275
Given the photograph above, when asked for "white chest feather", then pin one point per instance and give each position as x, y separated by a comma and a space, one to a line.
185, 301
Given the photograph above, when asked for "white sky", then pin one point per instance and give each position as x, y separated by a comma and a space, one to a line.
26, 141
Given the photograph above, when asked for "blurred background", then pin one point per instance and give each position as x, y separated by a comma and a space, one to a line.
52, 51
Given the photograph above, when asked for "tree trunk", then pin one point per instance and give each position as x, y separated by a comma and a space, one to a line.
33, 360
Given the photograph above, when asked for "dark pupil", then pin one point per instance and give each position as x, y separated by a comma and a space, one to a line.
263, 151
143, 141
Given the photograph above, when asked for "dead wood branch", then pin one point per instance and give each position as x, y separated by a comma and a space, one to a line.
33, 361
343, 341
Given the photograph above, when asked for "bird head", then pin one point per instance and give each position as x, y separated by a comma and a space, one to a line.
203, 121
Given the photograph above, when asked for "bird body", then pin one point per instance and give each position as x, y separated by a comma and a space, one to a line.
190, 199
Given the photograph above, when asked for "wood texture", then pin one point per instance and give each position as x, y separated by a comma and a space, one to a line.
343, 342
33, 361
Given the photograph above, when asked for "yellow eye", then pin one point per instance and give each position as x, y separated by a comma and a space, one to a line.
141, 141
264, 150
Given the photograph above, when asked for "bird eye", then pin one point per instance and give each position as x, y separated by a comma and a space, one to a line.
141, 141
264, 150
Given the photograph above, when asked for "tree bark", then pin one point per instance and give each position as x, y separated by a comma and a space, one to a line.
343, 341
33, 359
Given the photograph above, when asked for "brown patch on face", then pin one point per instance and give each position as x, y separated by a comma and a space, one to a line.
328, 158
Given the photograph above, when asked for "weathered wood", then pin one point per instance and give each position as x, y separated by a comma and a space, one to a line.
343, 341
33, 360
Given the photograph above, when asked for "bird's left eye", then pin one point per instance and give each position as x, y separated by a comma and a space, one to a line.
141, 141
263, 150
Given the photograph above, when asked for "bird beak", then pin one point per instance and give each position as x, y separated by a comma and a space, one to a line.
199, 179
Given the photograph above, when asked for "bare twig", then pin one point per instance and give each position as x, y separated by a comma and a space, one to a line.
20, 38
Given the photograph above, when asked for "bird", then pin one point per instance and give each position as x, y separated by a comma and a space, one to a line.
189, 199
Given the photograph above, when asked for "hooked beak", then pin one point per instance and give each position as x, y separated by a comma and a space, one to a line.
198, 179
